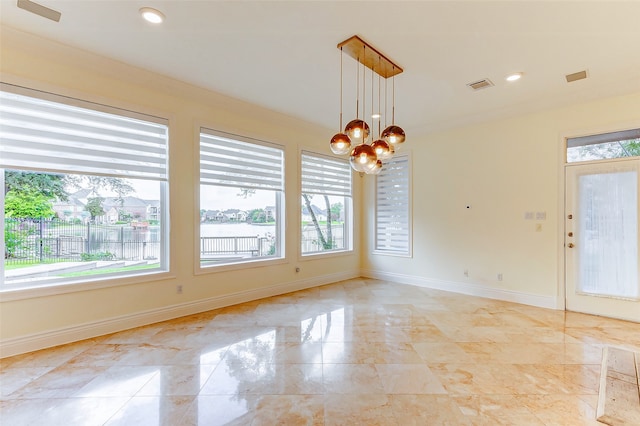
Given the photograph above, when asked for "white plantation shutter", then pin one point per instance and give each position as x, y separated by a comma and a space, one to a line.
58, 134
393, 227
325, 175
229, 160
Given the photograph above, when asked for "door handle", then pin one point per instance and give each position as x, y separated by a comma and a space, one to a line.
570, 245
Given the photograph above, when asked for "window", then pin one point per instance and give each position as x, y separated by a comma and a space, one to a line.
326, 204
604, 146
393, 224
241, 194
85, 190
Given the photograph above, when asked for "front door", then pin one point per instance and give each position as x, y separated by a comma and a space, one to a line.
601, 238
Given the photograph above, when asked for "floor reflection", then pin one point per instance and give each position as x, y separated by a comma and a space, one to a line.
356, 352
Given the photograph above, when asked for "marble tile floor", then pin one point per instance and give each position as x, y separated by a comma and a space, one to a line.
357, 352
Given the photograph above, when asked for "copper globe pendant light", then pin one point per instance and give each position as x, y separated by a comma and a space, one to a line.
393, 134
357, 129
383, 150
376, 169
340, 142
364, 157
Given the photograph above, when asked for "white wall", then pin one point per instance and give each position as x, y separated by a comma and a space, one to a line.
501, 169
32, 323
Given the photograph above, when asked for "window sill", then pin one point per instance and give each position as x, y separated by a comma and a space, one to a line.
325, 254
204, 270
42, 289
391, 253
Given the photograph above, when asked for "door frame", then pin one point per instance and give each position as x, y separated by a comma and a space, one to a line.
561, 292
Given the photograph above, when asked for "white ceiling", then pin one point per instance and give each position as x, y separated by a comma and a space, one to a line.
282, 55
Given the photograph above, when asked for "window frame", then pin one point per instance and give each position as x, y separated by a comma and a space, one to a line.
348, 206
406, 158
600, 139
281, 220
40, 288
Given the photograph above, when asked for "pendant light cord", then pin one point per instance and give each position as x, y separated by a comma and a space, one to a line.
386, 102
364, 92
379, 109
341, 56
393, 104
372, 105
358, 88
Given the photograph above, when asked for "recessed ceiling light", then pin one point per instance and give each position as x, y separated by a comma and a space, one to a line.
152, 15
515, 76
376, 116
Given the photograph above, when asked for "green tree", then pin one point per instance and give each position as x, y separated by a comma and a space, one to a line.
49, 185
94, 207
628, 148
123, 216
97, 184
14, 240
325, 242
257, 216
246, 192
329, 221
53, 185
28, 204
336, 210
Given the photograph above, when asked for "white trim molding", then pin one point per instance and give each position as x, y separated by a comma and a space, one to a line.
47, 339
471, 289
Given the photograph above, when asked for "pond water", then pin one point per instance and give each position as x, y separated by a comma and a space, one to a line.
235, 230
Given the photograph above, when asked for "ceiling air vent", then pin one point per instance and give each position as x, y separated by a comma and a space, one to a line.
39, 9
480, 84
580, 75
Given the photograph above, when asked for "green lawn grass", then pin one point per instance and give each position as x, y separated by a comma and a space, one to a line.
109, 270
10, 266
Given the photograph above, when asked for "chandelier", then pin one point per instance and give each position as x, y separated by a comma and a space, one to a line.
366, 152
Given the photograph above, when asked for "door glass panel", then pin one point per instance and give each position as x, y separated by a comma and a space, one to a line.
607, 235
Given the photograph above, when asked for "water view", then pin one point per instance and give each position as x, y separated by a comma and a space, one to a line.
236, 230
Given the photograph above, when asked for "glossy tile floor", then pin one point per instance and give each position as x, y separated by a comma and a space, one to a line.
358, 352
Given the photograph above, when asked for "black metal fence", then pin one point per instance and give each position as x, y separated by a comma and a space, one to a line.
311, 243
55, 240
249, 246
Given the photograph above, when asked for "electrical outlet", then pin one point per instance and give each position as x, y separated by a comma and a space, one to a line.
466, 272
179, 289
500, 276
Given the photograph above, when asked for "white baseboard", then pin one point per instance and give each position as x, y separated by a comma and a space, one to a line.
471, 289
47, 339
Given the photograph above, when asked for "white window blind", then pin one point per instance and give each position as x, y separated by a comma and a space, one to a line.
39, 134
392, 207
624, 135
325, 175
228, 160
